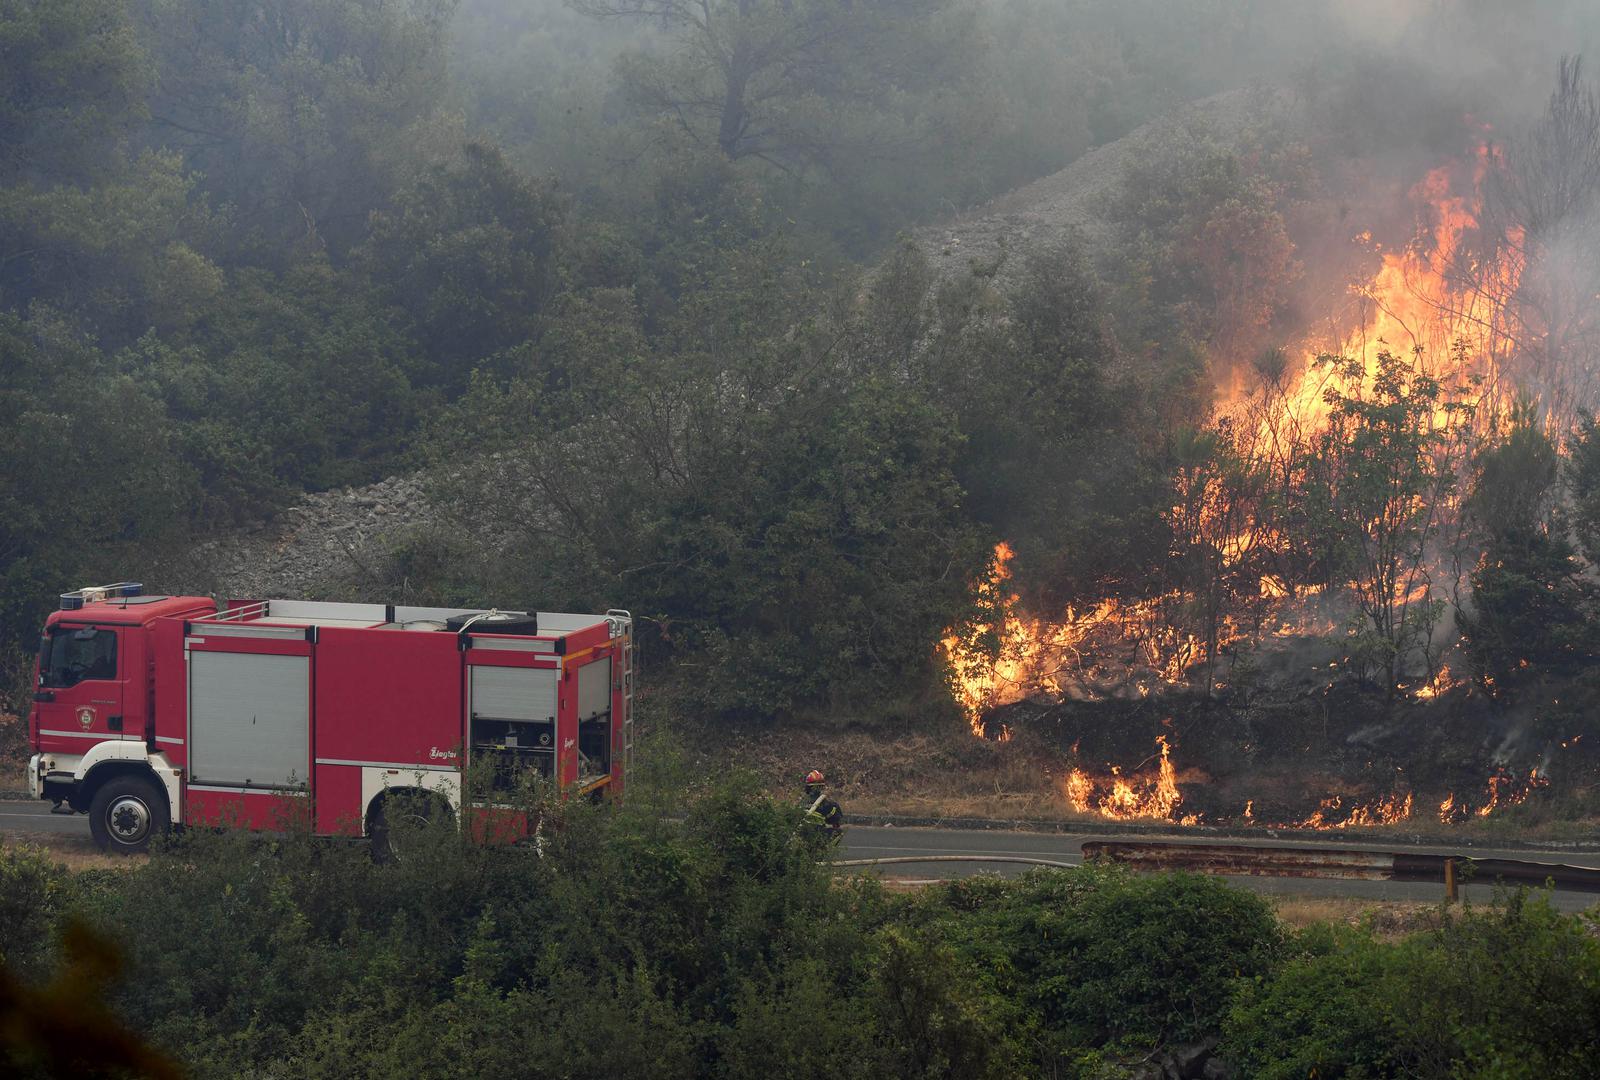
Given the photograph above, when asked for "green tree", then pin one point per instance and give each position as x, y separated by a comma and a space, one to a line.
299, 379
1100, 961
72, 82
1202, 249
87, 226
1583, 481
470, 250
1532, 607
1060, 439
787, 511
1507, 991
299, 114
88, 470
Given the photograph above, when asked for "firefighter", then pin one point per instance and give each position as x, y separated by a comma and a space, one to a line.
821, 810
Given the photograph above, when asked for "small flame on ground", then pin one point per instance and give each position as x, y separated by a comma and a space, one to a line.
1157, 797
1121, 798
1330, 814
1506, 789
1438, 684
1503, 789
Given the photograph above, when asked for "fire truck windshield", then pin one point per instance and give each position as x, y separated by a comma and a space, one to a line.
69, 656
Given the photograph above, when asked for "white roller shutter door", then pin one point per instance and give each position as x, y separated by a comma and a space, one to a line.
249, 718
508, 693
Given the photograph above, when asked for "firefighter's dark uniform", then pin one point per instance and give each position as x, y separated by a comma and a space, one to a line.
827, 812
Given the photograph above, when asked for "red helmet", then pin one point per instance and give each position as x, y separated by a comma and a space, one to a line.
815, 777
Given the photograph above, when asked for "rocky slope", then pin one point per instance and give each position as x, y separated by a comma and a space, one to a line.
1064, 207
334, 544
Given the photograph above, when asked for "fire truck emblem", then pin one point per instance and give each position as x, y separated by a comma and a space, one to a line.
86, 717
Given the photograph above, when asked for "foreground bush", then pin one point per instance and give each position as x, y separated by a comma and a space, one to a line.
1511, 991
710, 942
1101, 962
625, 944
33, 890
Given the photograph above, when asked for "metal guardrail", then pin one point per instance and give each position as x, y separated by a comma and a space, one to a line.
1250, 860
1256, 860
893, 859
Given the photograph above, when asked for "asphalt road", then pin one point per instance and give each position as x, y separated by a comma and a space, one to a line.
872, 842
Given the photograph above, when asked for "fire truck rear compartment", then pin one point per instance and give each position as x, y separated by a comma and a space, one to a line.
514, 720
594, 718
536, 694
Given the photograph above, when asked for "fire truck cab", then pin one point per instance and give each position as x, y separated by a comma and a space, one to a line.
153, 711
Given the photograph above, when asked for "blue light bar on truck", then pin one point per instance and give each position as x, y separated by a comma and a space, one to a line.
89, 594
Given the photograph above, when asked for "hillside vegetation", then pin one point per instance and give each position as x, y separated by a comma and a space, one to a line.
264, 247
722, 313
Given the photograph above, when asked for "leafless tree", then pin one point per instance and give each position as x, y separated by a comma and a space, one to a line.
1541, 259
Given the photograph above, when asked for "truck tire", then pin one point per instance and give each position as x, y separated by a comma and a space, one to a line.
499, 622
125, 813
418, 811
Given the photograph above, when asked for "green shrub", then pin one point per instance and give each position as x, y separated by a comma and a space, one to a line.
1316, 1015
1100, 958
33, 890
1508, 991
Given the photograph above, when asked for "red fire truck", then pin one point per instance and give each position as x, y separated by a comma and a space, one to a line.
158, 710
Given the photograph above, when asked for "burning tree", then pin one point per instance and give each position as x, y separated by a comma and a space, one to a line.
1221, 522
1382, 474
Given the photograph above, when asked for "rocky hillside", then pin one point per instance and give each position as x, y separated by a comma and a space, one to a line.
1064, 206
335, 543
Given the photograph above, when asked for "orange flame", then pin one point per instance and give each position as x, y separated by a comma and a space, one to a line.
1414, 301
1438, 684
1389, 811
1120, 647
1505, 790
1121, 798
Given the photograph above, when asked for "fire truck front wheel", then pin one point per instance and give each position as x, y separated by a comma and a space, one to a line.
125, 813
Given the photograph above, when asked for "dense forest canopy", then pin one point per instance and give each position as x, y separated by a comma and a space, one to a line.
640, 287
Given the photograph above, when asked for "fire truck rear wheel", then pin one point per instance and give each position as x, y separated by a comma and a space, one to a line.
125, 813
414, 810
